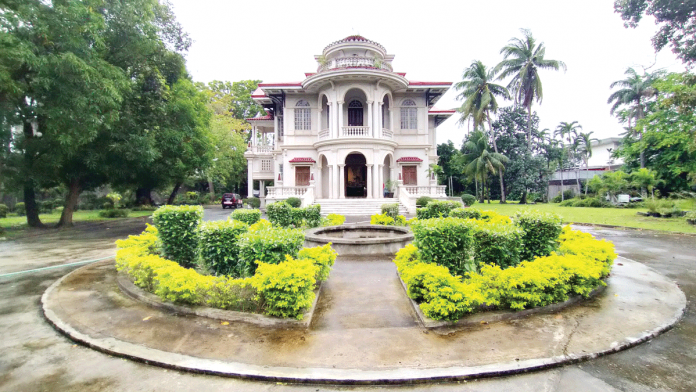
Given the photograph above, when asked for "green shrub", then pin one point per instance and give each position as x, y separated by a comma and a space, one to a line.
567, 194
268, 246
180, 285
247, 216
177, 228
286, 288
254, 202
3, 211
497, 243
114, 213
469, 200
280, 213
312, 215
323, 258
465, 213
422, 213
19, 209
294, 202
381, 219
391, 210
219, 250
233, 294
333, 220
447, 242
437, 209
423, 201
541, 231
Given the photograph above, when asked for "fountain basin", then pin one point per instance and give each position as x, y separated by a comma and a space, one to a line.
360, 240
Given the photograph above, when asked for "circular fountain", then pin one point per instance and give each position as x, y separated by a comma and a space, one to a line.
360, 240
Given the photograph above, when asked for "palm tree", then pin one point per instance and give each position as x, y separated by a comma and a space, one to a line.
522, 60
480, 161
645, 179
633, 92
479, 96
567, 132
584, 140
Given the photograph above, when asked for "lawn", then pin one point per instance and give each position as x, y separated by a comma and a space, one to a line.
20, 222
604, 216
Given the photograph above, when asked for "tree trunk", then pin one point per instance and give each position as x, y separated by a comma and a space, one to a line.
587, 175
562, 180
577, 180
211, 189
32, 210
529, 128
642, 149
143, 196
66, 217
173, 194
500, 172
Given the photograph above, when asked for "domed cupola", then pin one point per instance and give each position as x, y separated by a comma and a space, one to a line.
354, 51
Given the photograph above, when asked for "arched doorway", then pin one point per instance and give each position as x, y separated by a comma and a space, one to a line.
355, 175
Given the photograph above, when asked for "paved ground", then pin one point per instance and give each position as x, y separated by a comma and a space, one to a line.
36, 358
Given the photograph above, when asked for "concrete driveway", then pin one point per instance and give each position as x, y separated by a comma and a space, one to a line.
37, 358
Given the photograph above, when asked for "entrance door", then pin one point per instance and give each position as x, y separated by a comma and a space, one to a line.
355, 114
302, 176
410, 175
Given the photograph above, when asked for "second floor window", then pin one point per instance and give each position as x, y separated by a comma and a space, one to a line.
409, 115
303, 115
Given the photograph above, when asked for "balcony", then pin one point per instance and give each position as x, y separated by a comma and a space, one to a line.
260, 149
354, 62
349, 132
354, 131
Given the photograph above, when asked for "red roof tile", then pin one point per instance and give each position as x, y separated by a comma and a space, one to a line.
293, 84
295, 160
268, 116
411, 83
409, 159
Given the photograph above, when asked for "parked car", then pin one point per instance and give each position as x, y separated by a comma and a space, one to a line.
231, 200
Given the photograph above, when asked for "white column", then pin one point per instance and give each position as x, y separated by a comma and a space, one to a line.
254, 142
275, 131
378, 113
330, 169
380, 180
250, 177
341, 182
370, 123
370, 185
262, 189
334, 120
392, 125
319, 126
339, 127
318, 190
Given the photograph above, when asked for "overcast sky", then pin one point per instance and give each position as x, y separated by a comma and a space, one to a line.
275, 41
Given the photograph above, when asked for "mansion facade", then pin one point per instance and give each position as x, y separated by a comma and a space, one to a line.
353, 129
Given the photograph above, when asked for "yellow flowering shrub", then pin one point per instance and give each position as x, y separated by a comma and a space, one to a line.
333, 220
261, 225
286, 288
323, 258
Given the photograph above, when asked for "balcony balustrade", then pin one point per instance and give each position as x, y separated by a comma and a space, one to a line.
286, 191
354, 62
260, 149
428, 190
352, 131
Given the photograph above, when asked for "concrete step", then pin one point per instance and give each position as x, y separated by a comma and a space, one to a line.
356, 206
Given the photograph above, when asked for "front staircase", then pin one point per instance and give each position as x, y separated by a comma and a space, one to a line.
356, 206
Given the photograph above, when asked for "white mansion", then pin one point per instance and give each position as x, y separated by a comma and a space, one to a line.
353, 129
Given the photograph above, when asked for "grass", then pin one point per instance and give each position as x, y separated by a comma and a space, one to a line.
626, 217
14, 222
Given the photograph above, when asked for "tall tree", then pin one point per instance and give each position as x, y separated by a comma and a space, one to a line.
480, 99
584, 141
677, 21
480, 161
522, 59
567, 132
632, 95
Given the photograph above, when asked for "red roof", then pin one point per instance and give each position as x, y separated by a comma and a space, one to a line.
295, 160
258, 93
401, 73
298, 84
409, 159
268, 116
308, 74
436, 110
411, 83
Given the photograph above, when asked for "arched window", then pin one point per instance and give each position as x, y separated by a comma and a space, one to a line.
355, 104
303, 115
409, 115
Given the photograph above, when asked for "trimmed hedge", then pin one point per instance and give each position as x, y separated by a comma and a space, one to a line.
577, 270
469, 200
282, 214
254, 202
20, 209
423, 201
391, 210
333, 220
177, 227
114, 213
247, 216
465, 213
219, 250
437, 209
448, 242
323, 258
268, 246
294, 202
386, 220
286, 288
312, 215
497, 243
3, 211
541, 231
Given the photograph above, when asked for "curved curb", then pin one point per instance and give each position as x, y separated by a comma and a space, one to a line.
149, 299
181, 362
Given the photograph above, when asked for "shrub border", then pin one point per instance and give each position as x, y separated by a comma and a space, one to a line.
131, 290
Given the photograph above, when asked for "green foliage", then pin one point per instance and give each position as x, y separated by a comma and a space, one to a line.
268, 246
19, 209
422, 213
280, 214
323, 258
247, 216
114, 213
422, 201
178, 232
391, 210
541, 231
286, 288
312, 215
595, 202
232, 294
219, 250
3, 211
254, 202
386, 220
465, 213
567, 195
294, 202
333, 220
497, 243
468, 199
437, 209
612, 183
447, 242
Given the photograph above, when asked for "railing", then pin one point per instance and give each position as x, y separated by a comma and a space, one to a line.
323, 134
428, 190
261, 149
354, 62
279, 192
355, 131
387, 134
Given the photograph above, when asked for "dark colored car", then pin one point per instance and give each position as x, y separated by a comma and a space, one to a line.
231, 200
